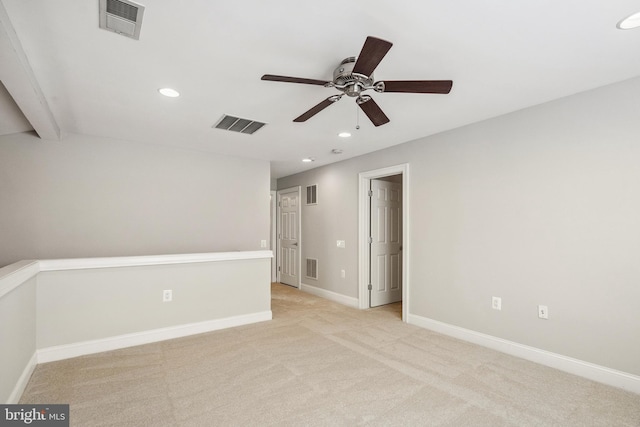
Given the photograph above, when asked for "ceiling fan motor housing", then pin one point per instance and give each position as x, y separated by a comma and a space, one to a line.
349, 82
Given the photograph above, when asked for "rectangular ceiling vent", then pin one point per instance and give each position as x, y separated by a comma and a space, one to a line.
121, 16
236, 124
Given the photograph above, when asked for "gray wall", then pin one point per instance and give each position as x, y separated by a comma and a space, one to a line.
87, 196
75, 306
537, 207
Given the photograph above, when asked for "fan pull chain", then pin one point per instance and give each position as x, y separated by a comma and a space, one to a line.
357, 117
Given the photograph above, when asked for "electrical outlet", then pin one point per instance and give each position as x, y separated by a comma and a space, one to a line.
263, 243
543, 312
496, 303
340, 243
343, 273
167, 295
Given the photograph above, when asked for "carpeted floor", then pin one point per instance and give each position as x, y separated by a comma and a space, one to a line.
318, 363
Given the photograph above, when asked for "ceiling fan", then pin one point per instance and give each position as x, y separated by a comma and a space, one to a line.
355, 75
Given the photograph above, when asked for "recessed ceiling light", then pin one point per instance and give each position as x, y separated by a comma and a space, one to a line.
167, 91
308, 159
344, 134
630, 22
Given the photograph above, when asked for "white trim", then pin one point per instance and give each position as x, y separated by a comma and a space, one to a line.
67, 351
573, 366
363, 224
274, 227
297, 188
16, 274
330, 295
136, 261
22, 382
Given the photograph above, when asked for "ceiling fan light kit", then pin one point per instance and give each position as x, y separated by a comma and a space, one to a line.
355, 75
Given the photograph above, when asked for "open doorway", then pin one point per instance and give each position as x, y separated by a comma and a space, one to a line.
383, 237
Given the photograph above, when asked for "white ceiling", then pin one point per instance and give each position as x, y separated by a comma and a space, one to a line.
501, 55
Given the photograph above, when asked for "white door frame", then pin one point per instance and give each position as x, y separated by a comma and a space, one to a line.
273, 242
364, 180
279, 240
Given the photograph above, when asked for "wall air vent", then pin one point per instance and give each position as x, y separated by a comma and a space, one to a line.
236, 124
121, 16
312, 194
312, 268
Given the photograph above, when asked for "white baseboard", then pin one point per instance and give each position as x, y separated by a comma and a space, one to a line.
22, 382
573, 366
333, 296
68, 351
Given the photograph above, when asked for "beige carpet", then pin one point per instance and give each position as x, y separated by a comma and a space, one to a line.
318, 363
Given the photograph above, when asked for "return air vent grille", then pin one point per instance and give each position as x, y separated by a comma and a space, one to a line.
121, 16
123, 10
312, 194
236, 124
312, 268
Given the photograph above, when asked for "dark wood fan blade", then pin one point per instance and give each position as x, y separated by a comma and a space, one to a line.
418, 86
374, 112
371, 54
286, 79
315, 110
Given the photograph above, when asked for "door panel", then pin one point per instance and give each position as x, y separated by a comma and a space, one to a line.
395, 278
386, 246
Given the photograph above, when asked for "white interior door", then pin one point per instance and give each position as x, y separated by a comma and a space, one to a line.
386, 242
288, 236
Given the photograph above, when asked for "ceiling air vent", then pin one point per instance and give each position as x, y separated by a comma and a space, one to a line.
122, 17
236, 124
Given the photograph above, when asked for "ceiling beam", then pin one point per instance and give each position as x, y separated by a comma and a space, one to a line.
20, 81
